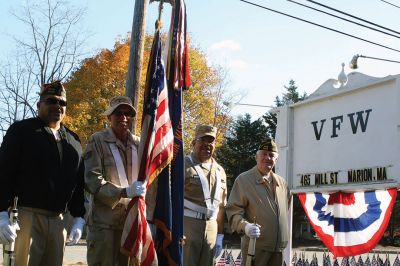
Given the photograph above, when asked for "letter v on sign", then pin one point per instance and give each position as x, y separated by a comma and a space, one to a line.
316, 131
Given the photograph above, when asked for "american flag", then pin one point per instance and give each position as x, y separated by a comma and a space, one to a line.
374, 262
360, 261
300, 262
387, 261
379, 260
336, 263
178, 65
396, 261
238, 260
155, 152
229, 261
326, 260
294, 259
367, 261
314, 260
345, 261
221, 261
168, 215
353, 261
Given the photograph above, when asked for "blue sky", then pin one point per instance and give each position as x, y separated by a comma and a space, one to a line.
261, 50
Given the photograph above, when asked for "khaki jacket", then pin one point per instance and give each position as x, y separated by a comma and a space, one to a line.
107, 209
193, 188
250, 198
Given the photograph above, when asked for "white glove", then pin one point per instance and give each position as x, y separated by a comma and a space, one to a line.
252, 230
8, 232
138, 188
76, 230
218, 244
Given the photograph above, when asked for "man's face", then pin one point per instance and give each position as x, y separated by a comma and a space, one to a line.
51, 109
121, 119
204, 147
266, 161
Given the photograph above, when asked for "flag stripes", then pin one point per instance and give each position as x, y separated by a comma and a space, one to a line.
155, 153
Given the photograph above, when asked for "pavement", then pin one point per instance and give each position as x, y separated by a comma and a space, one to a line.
76, 255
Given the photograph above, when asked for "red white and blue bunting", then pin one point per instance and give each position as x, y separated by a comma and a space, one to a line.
349, 224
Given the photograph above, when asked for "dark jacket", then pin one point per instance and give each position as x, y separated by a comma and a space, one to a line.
30, 168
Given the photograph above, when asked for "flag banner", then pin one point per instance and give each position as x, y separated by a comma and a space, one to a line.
168, 215
155, 153
349, 224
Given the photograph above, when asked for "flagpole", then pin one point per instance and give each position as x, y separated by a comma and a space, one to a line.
136, 55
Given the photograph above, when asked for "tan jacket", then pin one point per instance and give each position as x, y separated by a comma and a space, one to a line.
193, 188
107, 209
250, 198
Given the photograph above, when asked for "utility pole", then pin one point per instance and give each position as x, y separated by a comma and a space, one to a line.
136, 55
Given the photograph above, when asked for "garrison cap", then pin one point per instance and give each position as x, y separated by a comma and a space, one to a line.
117, 101
205, 130
268, 145
54, 88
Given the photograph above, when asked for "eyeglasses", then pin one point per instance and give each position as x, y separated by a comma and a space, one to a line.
53, 101
126, 114
206, 139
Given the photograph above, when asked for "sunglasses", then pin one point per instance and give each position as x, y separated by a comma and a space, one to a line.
126, 114
207, 139
54, 101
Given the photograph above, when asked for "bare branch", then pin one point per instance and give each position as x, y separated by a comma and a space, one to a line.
49, 51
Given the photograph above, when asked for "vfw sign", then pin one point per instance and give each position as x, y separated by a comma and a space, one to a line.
342, 137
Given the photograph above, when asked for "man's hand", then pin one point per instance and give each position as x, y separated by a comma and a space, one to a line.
218, 244
76, 230
252, 230
8, 232
137, 189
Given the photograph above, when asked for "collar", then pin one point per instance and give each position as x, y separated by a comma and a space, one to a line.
195, 160
260, 179
110, 137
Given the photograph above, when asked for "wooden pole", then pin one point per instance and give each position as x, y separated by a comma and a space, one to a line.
136, 55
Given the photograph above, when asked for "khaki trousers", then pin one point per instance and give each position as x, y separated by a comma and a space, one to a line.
41, 238
264, 258
200, 241
103, 247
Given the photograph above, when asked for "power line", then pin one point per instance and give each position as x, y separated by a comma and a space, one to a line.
345, 19
390, 3
350, 15
319, 25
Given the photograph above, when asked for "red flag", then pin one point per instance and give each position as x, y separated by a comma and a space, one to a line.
178, 63
155, 153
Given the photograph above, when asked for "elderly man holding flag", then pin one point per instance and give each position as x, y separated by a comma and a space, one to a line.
155, 153
111, 170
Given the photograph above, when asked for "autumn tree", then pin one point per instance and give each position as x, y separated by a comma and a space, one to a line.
103, 76
48, 51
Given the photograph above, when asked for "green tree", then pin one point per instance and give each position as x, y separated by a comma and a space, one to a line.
237, 153
291, 96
